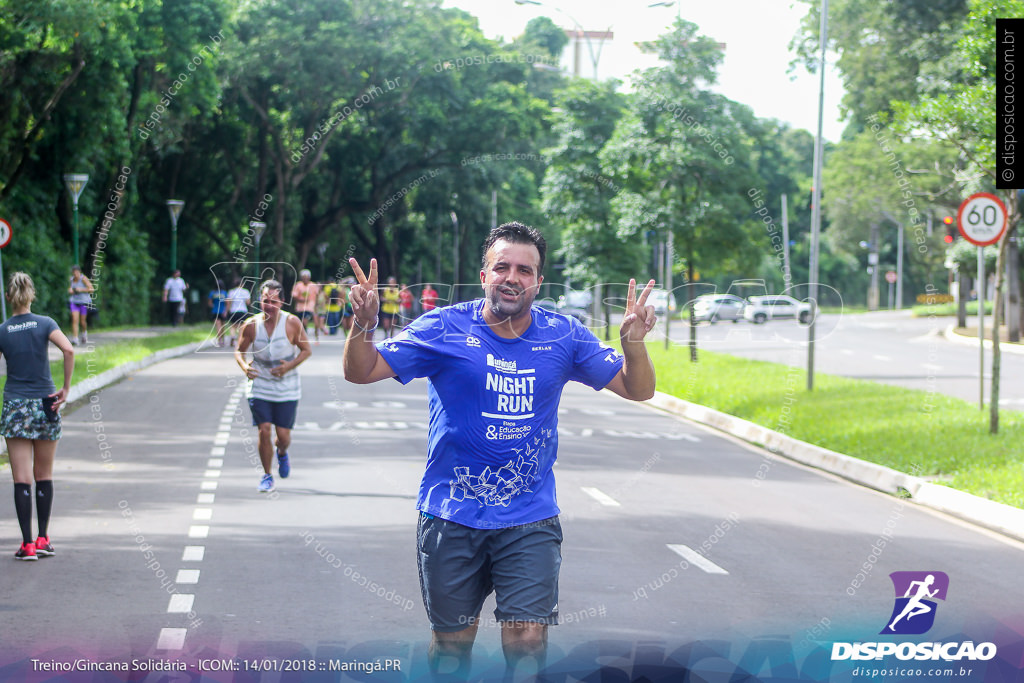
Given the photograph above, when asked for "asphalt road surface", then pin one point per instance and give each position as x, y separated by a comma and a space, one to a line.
683, 548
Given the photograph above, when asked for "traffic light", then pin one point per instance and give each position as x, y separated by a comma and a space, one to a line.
951, 231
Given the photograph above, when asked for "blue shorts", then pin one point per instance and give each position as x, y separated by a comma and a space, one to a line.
278, 413
459, 567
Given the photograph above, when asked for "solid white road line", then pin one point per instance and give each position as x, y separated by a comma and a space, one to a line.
600, 496
695, 558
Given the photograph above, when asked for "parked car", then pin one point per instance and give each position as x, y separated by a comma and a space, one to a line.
715, 307
662, 300
575, 303
760, 309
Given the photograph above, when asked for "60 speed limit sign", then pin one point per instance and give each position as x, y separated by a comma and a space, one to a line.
982, 219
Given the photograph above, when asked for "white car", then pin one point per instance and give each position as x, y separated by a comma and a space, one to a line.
761, 309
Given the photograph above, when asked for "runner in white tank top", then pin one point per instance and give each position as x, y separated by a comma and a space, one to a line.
278, 344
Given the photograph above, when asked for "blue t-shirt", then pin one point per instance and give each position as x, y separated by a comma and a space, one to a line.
493, 433
218, 300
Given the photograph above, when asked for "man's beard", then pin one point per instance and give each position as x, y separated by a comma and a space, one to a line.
502, 309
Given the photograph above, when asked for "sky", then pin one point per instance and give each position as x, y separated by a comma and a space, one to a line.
756, 34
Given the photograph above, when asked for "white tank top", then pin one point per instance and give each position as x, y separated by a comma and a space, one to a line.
267, 353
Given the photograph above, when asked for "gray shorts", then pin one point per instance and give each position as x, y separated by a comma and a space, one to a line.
459, 567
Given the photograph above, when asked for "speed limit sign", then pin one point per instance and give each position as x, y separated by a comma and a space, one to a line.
5, 233
982, 219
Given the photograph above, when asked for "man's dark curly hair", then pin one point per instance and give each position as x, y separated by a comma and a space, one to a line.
517, 233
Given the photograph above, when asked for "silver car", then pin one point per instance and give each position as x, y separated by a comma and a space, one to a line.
715, 307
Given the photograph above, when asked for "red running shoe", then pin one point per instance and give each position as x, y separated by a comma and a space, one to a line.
43, 547
27, 551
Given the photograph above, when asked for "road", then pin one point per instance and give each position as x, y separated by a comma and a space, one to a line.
890, 347
677, 540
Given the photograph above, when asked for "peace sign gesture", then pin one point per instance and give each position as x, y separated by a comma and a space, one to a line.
365, 303
639, 318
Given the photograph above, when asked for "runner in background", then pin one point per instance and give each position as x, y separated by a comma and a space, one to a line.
278, 344
79, 299
390, 301
238, 308
304, 295
216, 301
428, 298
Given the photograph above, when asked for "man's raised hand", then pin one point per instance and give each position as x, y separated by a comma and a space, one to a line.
365, 303
639, 318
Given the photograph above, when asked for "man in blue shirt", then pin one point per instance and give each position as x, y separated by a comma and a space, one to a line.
496, 368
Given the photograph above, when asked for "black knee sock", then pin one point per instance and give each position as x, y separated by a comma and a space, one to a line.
44, 503
23, 506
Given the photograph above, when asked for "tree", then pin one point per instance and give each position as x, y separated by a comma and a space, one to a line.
964, 118
682, 157
885, 48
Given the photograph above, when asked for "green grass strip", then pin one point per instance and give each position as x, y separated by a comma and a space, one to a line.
943, 438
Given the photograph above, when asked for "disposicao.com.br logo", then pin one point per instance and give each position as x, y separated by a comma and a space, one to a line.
914, 613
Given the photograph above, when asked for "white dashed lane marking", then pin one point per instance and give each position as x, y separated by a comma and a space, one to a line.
696, 559
601, 497
187, 576
193, 553
171, 639
181, 603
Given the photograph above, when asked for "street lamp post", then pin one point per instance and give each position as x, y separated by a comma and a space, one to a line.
75, 182
174, 206
258, 228
455, 270
322, 250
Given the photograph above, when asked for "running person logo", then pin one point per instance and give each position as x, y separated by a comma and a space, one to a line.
916, 595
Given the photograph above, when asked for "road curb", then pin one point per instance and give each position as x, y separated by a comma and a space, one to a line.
951, 335
998, 517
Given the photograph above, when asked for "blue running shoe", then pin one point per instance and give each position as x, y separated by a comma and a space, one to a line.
284, 468
266, 484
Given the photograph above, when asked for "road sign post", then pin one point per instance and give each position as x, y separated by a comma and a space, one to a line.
981, 221
5, 238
